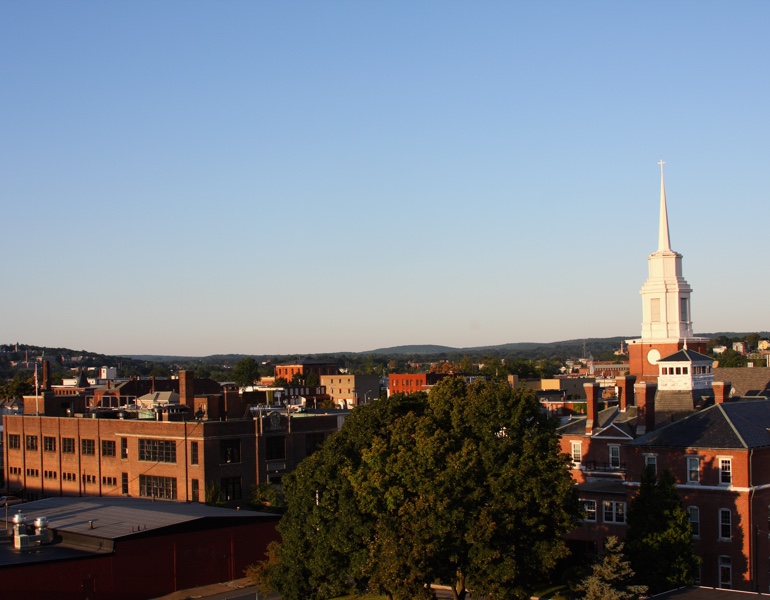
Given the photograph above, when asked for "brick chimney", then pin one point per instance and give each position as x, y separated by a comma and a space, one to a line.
721, 391
645, 404
187, 388
625, 385
46, 375
592, 406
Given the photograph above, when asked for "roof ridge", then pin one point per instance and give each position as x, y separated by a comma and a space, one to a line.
732, 425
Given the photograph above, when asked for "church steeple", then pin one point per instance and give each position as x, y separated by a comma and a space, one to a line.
666, 294
664, 242
666, 316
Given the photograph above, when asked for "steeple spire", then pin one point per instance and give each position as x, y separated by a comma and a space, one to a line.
664, 243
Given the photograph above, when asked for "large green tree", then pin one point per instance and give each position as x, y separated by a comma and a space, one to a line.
659, 539
465, 486
246, 372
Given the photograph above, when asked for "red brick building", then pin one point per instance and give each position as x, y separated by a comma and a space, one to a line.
408, 383
173, 451
304, 367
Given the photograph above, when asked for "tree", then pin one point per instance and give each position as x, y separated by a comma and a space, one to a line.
731, 358
246, 372
612, 577
312, 379
465, 485
659, 540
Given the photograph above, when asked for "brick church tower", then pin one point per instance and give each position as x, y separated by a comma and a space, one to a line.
666, 316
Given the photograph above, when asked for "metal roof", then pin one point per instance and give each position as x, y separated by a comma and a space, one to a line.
113, 518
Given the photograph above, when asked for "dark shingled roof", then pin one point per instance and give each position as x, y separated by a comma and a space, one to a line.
746, 381
740, 424
625, 421
686, 355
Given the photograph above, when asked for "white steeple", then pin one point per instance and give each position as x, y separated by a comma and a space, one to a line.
664, 242
666, 294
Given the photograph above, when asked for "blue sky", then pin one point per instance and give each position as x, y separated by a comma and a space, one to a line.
301, 177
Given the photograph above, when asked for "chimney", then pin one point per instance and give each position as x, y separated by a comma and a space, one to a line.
46, 375
592, 406
152, 384
721, 391
186, 388
625, 391
645, 404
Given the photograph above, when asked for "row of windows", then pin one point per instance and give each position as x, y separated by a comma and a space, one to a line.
696, 370
725, 522
612, 512
651, 461
87, 446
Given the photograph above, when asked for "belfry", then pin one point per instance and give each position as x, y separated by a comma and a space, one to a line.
666, 314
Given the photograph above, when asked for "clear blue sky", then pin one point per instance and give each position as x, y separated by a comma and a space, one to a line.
187, 177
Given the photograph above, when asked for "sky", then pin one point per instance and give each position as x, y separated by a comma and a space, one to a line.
203, 177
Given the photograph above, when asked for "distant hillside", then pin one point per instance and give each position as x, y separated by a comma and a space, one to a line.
528, 350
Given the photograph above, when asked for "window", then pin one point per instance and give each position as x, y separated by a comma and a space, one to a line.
49, 474
14, 441
151, 486
693, 512
693, 469
49, 443
725, 572
684, 370
655, 310
275, 448
193, 453
725, 471
725, 524
614, 456
231, 488
651, 462
577, 453
31, 442
68, 445
33, 473
195, 496
108, 448
157, 451
614, 512
589, 508
313, 442
124, 448
68, 476
109, 481
124, 482
89, 478
229, 451
683, 309
87, 447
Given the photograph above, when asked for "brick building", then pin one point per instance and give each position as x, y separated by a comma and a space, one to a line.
676, 412
172, 451
348, 391
408, 383
304, 367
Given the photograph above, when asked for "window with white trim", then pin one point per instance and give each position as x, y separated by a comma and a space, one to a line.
577, 453
693, 469
614, 451
614, 512
589, 508
725, 572
651, 462
725, 524
725, 471
693, 513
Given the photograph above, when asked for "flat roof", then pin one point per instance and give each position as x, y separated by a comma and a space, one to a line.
88, 526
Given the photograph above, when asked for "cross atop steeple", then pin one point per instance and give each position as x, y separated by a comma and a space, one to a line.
664, 243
